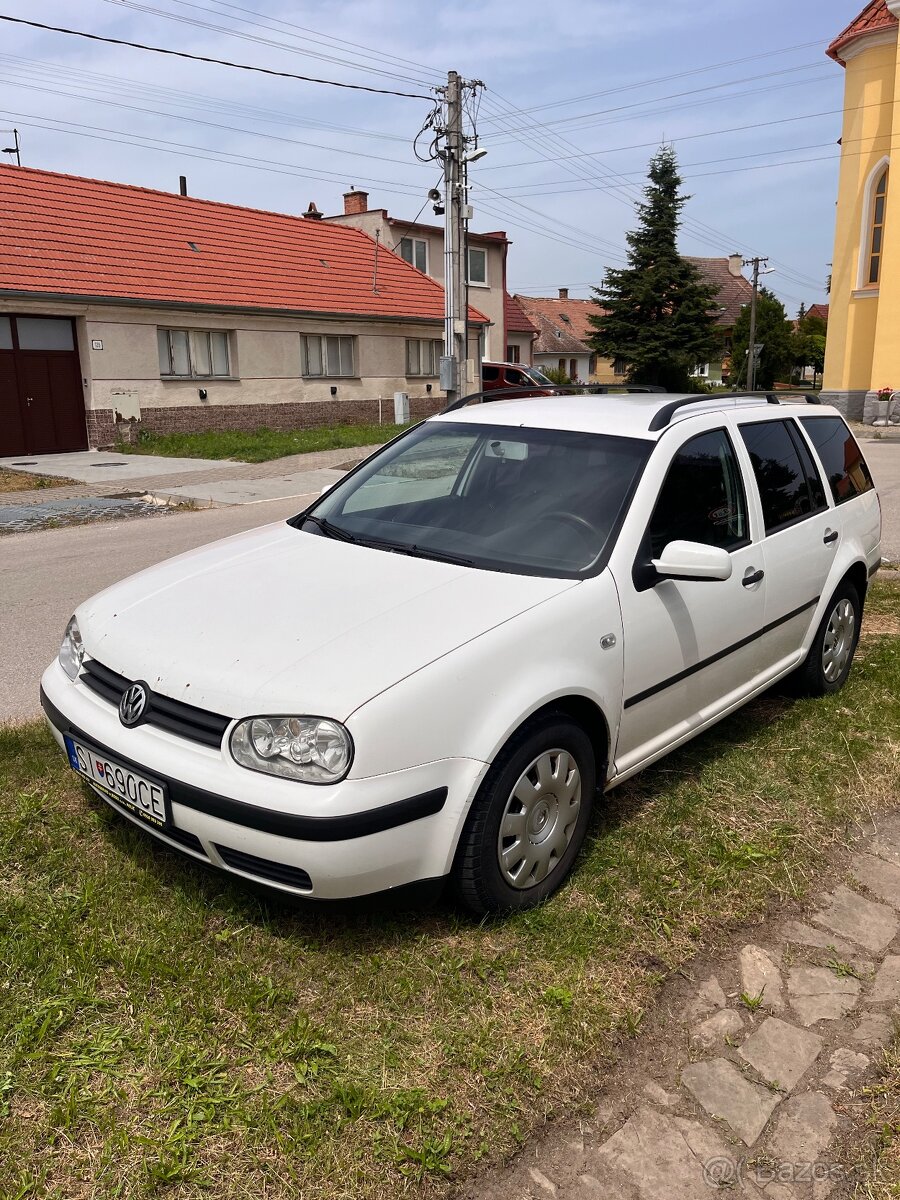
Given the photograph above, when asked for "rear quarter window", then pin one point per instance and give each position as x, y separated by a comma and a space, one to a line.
847, 471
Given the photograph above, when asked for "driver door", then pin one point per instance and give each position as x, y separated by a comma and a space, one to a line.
691, 647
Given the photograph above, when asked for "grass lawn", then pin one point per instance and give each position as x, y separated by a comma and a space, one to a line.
260, 445
164, 1032
21, 481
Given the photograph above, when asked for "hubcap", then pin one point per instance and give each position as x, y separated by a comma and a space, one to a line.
539, 819
838, 644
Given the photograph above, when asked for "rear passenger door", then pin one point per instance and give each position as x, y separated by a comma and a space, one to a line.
801, 534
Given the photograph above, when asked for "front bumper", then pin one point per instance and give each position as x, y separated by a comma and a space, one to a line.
354, 838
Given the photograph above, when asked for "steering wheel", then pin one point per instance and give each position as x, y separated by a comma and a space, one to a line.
582, 524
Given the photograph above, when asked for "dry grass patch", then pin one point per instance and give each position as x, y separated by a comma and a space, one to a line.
21, 481
165, 1031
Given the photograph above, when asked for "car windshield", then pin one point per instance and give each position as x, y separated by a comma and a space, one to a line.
528, 501
537, 376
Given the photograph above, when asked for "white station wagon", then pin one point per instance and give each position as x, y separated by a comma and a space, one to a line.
432, 670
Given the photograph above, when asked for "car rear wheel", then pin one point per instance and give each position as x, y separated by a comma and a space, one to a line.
830, 657
529, 819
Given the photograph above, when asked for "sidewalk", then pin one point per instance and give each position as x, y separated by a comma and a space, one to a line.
183, 480
751, 1076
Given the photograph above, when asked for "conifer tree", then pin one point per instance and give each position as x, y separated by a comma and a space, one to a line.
656, 313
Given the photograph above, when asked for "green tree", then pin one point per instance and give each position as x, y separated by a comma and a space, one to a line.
656, 313
774, 332
808, 344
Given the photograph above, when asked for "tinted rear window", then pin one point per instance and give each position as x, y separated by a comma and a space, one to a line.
847, 471
784, 486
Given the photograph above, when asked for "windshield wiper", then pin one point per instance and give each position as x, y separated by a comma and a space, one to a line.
332, 531
439, 556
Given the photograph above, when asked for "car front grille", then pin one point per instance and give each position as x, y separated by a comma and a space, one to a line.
184, 720
264, 868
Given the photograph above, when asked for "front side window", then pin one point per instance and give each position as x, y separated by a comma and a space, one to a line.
847, 471
702, 499
527, 501
193, 353
423, 356
789, 485
415, 251
876, 235
324, 356
477, 265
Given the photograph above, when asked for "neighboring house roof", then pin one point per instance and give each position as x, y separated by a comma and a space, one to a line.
875, 15
734, 291
818, 310
514, 318
61, 235
563, 325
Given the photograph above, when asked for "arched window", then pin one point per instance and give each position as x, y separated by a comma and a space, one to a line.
876, 227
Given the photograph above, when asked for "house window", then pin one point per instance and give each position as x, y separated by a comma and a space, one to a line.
876, 237
512, 354
423, 356
620, 366
193, 353
415, 251
477, 266
322, 356
573, 369
700, 371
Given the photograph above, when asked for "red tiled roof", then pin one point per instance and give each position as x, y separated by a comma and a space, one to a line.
514, 318
563, 324
818, 310
734, 291
64, 235
875, 15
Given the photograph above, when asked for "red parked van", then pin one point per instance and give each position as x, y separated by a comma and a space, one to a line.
497, 376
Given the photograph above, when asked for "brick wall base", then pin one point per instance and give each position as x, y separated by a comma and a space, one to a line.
197, 418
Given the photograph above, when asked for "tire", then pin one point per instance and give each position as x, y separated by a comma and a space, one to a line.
830, 657
543, 833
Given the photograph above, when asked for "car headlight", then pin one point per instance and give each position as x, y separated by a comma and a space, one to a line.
71, 652
311, 749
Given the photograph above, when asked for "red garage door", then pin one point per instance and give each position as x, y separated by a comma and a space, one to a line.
41, 400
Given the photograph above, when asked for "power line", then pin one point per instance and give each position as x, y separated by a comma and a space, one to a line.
219, 62
251, 37
188, 150
628, 87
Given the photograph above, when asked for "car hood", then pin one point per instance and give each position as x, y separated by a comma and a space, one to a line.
279, 620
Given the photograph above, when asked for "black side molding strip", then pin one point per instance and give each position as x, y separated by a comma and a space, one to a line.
714, 658
873, 571
308, 829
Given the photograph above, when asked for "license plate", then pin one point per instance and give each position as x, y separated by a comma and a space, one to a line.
141, 796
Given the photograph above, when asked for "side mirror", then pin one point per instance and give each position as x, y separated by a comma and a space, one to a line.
693, 561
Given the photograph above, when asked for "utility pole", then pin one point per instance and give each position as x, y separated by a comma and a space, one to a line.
457, 213
455, 274
751, 349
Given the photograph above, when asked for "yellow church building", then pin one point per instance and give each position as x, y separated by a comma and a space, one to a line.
862, 354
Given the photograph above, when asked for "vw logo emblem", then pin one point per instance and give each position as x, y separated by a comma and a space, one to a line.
133, 704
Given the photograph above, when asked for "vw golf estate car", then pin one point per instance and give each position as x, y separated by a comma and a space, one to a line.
433, 670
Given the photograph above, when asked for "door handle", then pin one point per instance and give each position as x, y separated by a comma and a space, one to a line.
752, 577
830, 537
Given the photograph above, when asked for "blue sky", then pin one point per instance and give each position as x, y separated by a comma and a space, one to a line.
579, 92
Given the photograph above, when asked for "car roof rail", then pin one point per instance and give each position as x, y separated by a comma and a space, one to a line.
662, 417
526, 392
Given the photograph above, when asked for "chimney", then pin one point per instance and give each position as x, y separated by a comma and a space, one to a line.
355, 202
735, 265
182, 185
563, 293
312, 213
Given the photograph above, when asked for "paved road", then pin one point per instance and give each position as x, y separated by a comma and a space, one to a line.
43, 576
884, 460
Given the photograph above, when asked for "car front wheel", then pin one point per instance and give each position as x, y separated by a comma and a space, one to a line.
831, 655
529, 819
